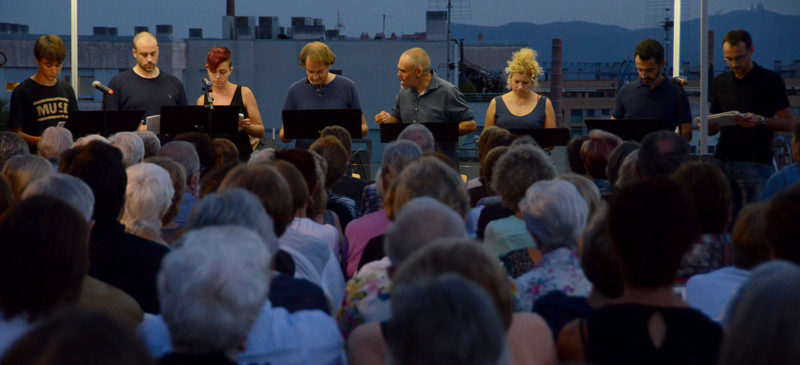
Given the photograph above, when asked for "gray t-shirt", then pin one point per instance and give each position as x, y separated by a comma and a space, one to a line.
441, 102
341, 93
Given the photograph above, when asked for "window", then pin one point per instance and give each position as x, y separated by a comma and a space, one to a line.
576, 115
590, 113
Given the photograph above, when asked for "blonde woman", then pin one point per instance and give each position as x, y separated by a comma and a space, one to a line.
521, 107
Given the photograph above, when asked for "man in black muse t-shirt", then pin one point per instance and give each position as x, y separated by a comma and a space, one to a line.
42, 100
744, 151
145, 87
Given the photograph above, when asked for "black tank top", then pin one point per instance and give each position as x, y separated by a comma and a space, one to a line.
535, 119
617, 334
240, 139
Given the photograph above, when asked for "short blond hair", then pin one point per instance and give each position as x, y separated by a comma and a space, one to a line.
524, 62
317, 52
417, 57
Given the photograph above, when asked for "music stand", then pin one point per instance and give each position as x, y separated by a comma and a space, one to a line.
626, 129
105, 123
545, 137
442, 132
197, 118
309, 123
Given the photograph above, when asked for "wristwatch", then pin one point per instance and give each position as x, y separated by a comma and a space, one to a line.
763, 120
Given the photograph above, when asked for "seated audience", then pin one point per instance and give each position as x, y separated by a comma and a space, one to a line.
515, 171
54, 142
652, 224
148, 196
661, 154
555, 215
710, 293
789, 176
215, 309
210, 183
11, 144
205, 149
88, 138
151, 143
627, 171
477, 219
527, 336
420, 135
120, 259
396, 156
762, 322
445, 320
574, 159
780, 220
79, 337
337, 159
95, 294
602, 268
589, 191
616, 159
420, 222
131, 146
595, 153
42, 263
711, 196
185, 154
177, 175
348, 185
239, 207
226, 152
483, 148
23, 170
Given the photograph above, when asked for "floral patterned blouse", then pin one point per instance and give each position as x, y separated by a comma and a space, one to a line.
366, 299
558, 270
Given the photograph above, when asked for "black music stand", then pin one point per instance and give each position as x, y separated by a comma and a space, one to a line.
196, 118
442, 132
104, 123
545, 137
626, 129
309, 123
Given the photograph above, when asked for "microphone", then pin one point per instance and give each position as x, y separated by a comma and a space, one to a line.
207, 84
679, 81
97, 85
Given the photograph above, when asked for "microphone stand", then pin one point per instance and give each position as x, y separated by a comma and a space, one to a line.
209, 104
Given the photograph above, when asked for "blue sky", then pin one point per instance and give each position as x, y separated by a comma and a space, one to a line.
52, 16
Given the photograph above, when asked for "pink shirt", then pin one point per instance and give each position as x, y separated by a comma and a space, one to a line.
359, 232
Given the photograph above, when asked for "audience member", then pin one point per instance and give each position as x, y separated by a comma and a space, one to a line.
120, 259
151, 143
214, 292
476, 219
210, 182
225, 151
205, 149
148, 196
23, 170
42, 263
6, 194
588, 190
337, 159
595, 153
11, 144
420, 222
483, 148
652, 224
348, 185
616, 159
661, 154
79, 337
131, 146
555, 215
627, 171
780, 219
88, 138
789, 176
396, 156
420, 135
446, 320
177, 175
185, 154
710, 293
763, 320
574, 159
54, 142
711, 196
515, 171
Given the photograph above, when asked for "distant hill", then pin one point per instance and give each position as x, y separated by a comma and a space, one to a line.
775, 37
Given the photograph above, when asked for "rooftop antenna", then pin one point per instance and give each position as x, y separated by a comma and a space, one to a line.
456, 9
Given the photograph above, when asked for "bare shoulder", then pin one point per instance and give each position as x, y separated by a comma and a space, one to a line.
570, 344
366, 344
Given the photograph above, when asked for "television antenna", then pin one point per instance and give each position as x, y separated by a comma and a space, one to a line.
456, 9
660, 17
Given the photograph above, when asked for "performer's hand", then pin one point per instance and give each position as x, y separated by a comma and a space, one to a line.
749, 120
383, 117
244, 124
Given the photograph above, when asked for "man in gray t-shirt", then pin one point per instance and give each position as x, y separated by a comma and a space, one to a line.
426, 98
321, 89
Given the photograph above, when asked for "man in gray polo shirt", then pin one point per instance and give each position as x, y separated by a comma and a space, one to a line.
426, 98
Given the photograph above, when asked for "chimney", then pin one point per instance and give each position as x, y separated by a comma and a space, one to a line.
556, 83
231, 8
480, 37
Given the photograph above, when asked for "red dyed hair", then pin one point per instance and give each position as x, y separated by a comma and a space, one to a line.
216, 56
596, 150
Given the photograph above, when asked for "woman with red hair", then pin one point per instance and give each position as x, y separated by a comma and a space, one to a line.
220, 65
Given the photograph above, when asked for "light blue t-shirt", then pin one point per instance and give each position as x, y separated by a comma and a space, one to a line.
710, 293
780, 181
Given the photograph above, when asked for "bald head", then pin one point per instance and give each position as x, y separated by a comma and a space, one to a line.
417, 57
143, 38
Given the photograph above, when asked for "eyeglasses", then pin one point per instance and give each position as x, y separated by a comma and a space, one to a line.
736, 60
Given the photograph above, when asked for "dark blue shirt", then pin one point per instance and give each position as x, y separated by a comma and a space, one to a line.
133, 92
663, 102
